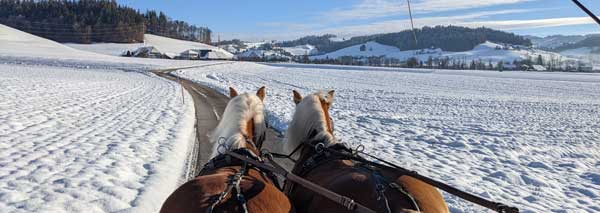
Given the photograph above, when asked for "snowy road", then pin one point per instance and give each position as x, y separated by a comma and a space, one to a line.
528, 139
210, 105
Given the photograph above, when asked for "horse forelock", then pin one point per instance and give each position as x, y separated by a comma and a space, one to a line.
234, 126
311, 115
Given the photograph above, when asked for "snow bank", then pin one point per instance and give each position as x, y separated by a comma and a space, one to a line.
528, 139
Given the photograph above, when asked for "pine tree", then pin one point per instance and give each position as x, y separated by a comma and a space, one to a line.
540, 60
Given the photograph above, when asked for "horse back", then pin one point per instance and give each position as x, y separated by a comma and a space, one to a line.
197, 195
344, 178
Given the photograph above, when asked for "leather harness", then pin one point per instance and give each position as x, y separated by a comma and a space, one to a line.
233, 181
339, 151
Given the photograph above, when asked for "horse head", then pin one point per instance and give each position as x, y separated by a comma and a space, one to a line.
243, 123
311, 120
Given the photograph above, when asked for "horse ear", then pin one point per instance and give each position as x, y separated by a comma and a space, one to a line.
297, 97
330, 96
232, 92
261, 93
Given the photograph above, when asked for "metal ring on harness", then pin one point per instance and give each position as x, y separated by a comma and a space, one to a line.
319, 147
265, 153
359, 149
222, 145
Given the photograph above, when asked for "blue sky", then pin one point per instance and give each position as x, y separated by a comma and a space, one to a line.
281, 19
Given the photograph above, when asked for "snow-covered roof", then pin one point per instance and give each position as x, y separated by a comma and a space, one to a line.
189, 52
146, 50
538, 67
266, 54
219, 55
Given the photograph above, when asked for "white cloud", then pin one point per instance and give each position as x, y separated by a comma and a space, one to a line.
368, 9
536, 23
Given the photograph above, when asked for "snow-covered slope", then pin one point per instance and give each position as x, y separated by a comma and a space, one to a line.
16, 45
78, 134
306, 49
163, 44
114, 49
485, 52
528, 139
368, 49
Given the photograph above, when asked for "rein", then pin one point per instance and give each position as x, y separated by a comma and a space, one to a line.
348, 202
496, 206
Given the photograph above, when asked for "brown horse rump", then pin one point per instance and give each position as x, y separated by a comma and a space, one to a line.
246, 187
369, 185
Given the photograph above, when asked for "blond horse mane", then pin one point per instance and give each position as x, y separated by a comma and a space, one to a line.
309, 116
231, 127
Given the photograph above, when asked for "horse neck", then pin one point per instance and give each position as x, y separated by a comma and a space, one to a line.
235, 128
309, 117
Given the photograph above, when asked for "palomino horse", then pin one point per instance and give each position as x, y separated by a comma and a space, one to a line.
227, 185
379, 189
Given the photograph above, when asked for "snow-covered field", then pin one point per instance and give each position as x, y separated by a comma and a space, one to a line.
527, 139
86, 132
89, 140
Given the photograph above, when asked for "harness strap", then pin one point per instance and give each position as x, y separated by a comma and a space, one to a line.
342, 200
402, 190
233, 184
233, 181
380, 189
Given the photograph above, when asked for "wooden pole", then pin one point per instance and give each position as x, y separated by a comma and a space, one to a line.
182, 93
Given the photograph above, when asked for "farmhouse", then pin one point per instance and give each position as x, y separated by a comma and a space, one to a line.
147, 52
189, 55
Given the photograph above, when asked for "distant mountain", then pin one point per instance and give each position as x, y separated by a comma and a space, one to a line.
554, 41
592, 41
448, 38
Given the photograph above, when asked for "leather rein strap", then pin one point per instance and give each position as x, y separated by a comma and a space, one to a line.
277, 169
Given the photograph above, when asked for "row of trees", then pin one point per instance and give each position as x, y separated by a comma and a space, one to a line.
85, 21
160, 24
449, 38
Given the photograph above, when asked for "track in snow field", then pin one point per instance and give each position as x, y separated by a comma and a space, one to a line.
89, 140
210, 106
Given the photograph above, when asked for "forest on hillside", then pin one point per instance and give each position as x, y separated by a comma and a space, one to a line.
449, 38
86, 21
